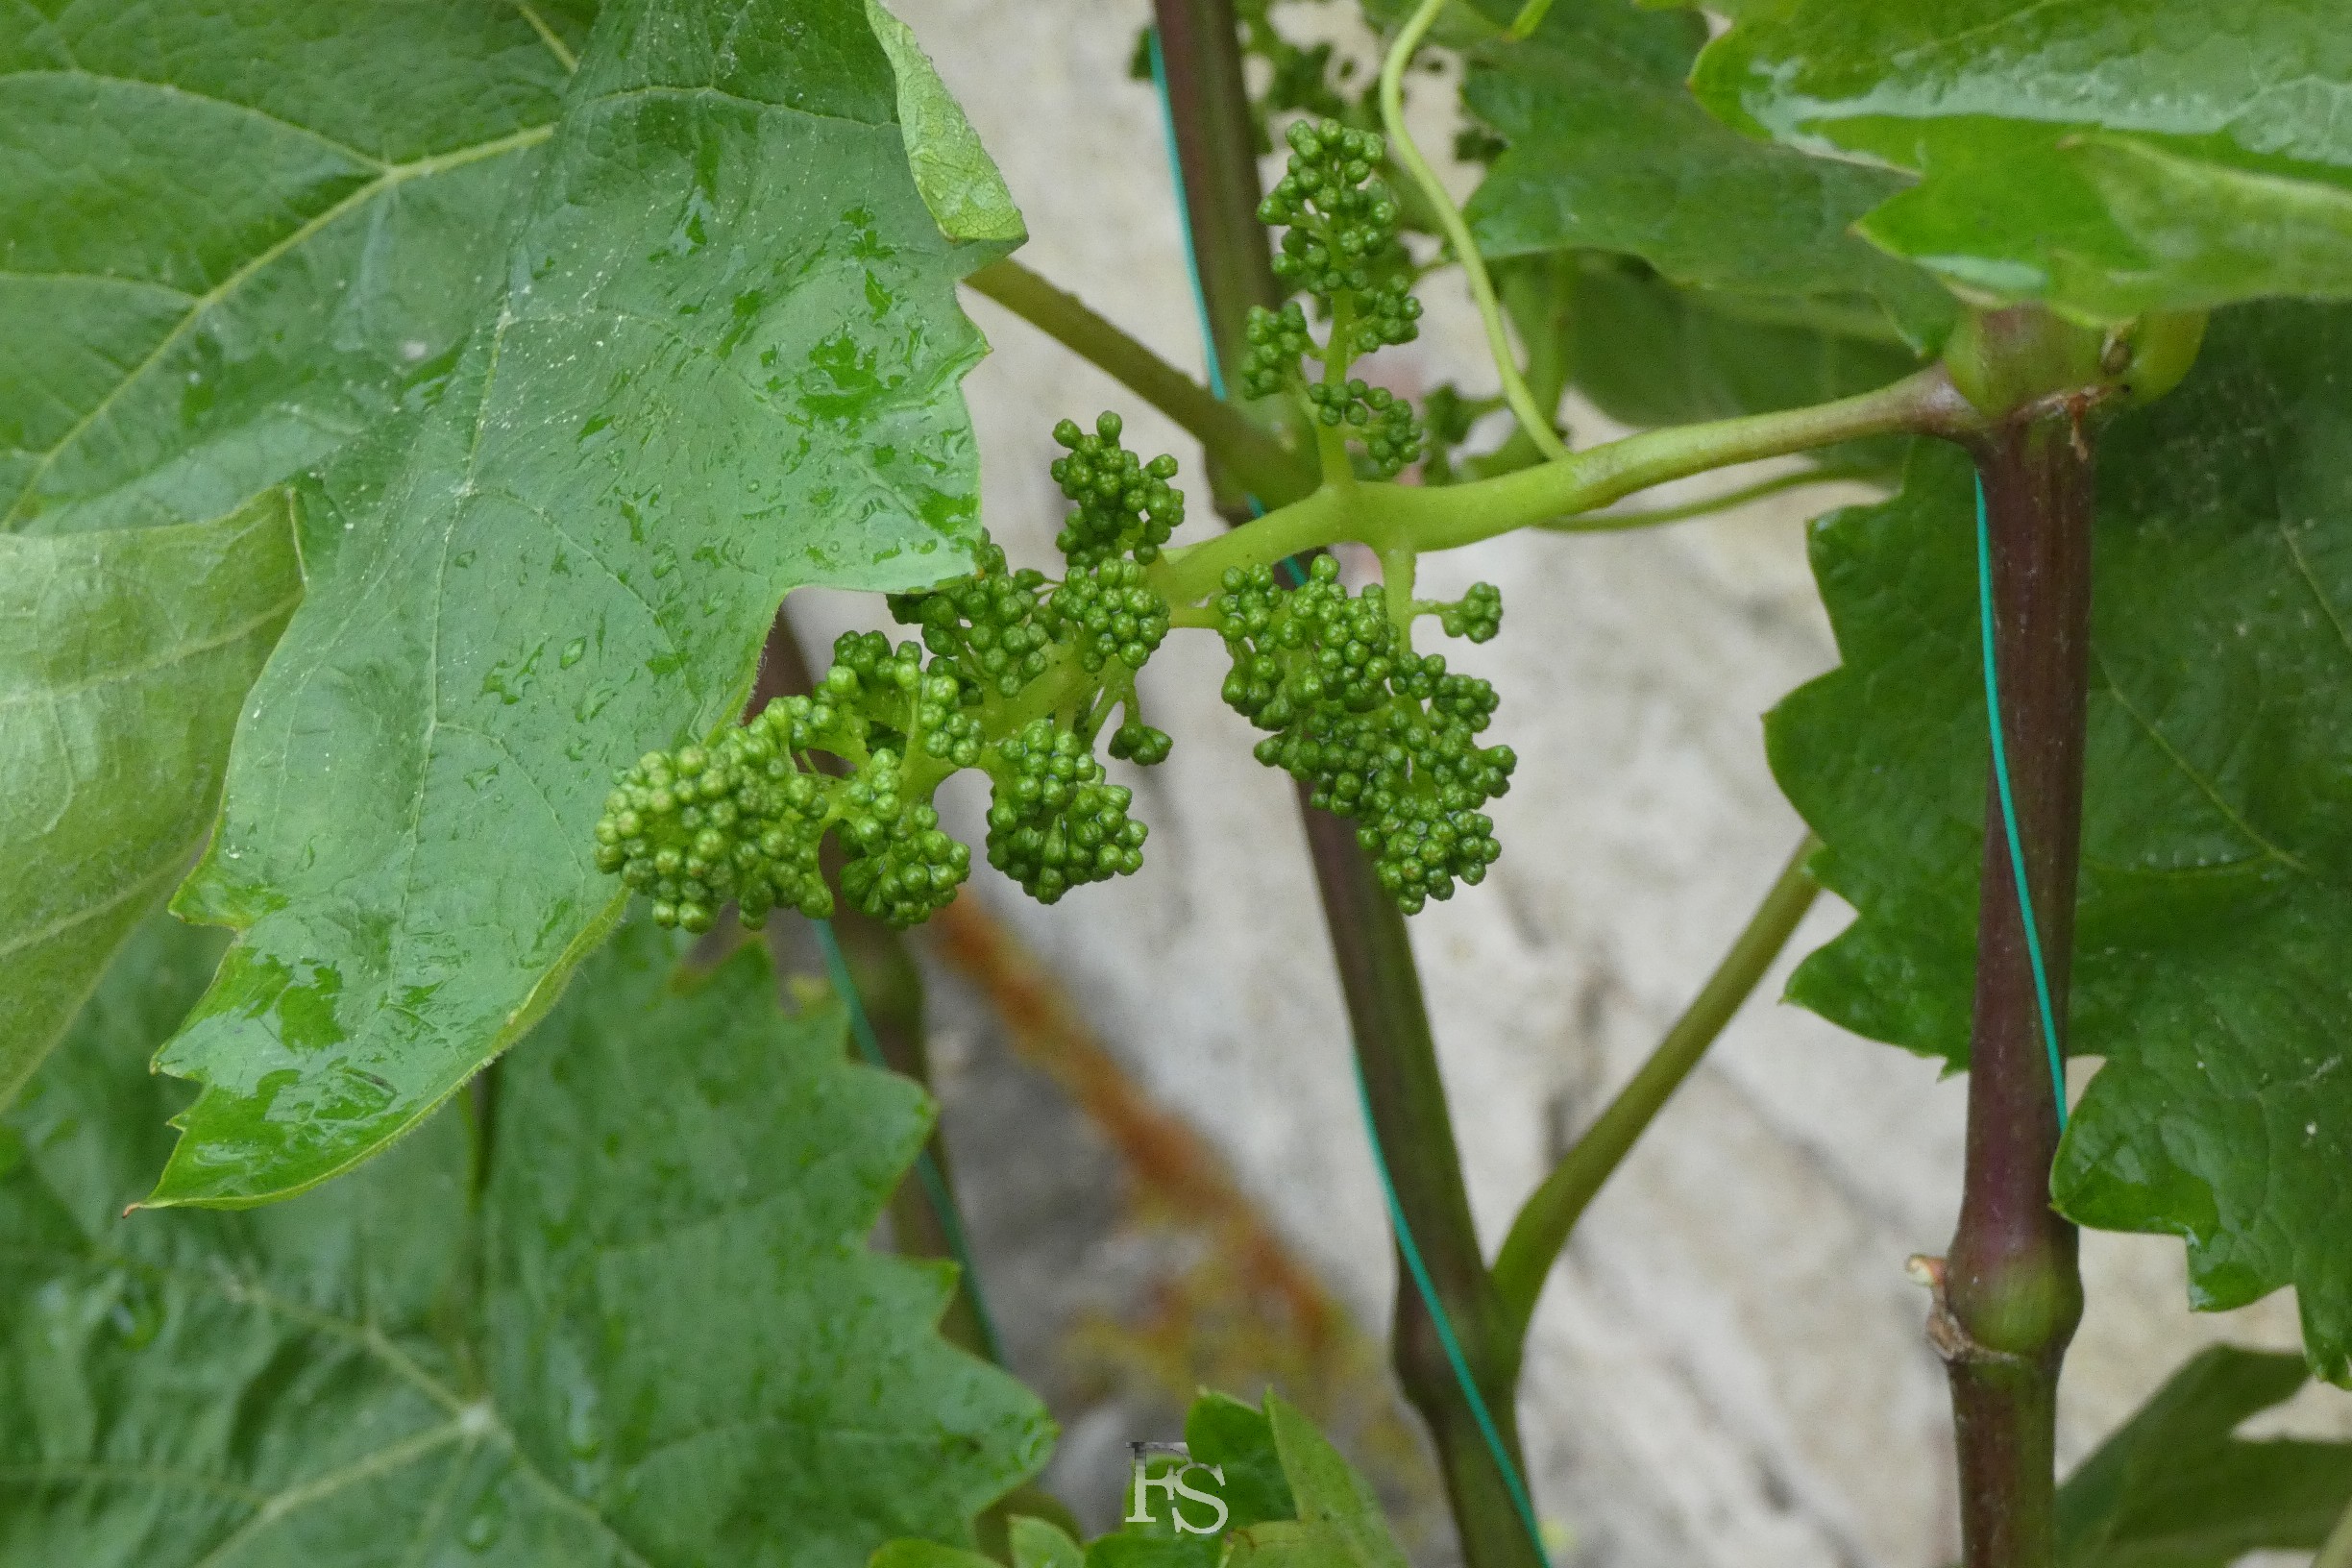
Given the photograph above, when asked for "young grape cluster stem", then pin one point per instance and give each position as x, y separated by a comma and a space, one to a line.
1399, 522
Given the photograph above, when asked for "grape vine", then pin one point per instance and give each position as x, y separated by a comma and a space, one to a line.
1019, 675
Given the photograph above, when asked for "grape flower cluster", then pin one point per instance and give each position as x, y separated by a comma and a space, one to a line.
1378, 733
1477, 616
1020, 676
1339, 241
1339, 247
1055, 822
1123, 505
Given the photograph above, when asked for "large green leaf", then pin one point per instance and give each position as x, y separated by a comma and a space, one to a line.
2216, 903
723, 363
124, 656
230, 233
230, 236
2175, 1488
1608, 150
654, 1337
2107, 156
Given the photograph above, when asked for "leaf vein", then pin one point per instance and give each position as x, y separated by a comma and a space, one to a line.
2311, 581
391, 178
35, 1475
90, 912
318, 1488
623, 94
2205, 786
143, 284
177, 655
555, 46
173, 90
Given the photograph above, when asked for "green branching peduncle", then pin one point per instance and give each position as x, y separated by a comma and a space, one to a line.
1802, 479
1387, 518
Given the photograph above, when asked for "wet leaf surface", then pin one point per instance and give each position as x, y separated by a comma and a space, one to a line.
234, 235
1608, 150
2106, 156
652, 1335
123, 658
724, 363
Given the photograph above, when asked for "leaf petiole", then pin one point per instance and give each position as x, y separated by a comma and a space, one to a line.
1268, 468
1548, 1217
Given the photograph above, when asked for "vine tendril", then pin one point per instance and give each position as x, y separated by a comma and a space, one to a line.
1531, 417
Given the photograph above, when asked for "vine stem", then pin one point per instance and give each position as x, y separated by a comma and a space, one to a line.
1259, 461
1533, 419
1706, 505
1545, 1221
2010, 1295
1388, 1016
1530, 17
1387, 517
1214, 131
2336, 1551
1396, 1055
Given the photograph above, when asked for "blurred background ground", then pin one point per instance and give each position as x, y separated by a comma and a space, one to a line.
1146, 1090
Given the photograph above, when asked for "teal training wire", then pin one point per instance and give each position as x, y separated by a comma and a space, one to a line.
1410, 1253
2008, 808
926, 1170
1444, 1325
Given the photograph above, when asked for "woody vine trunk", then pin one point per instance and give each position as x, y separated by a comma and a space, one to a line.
2012, 1292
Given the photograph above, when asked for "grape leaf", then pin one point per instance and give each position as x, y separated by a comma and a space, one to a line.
1038, 1544
1649, 352
1220, 1429
231, 234
724, 363
2174, 1488
1222, 1432
213, 271
959, 181
927, 1555
2216, 899
654, 1335
1290, 1500
1336, 1504
2108, 157
124, 656
1608, 150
